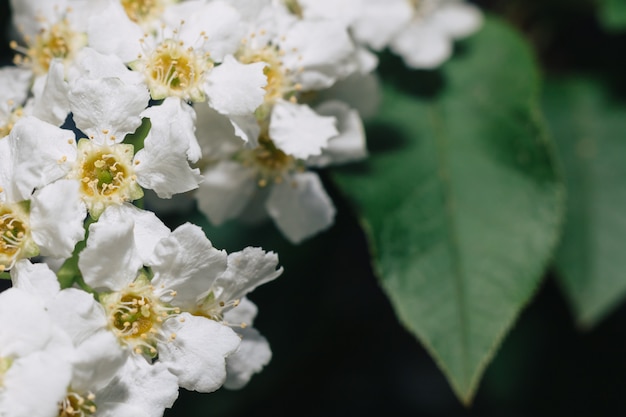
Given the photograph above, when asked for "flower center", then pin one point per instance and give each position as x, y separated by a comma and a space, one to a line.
56, 41
174, 70
15, 237
142, 11
279, 84
106, 175
103, 174
76, 405
270, 162
135, 316
214, 309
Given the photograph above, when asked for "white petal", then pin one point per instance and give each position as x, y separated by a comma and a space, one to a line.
176, 119
147, 229
250, 10
34, 385
110, 261
114, 409
162, 164
226, 190
253, 354
52, 104
148, 387
111, 32
247, 128
78, 313
35, 279
216, 133
56, 217
7, 184
97, 361
457, 19
345, 11
368, 61
107, 104
380, 21
300, 208
219, 21
247, 269
187, 263
56, 149
319, 48
40, 352
299, 131
236, 89
197, 355
20, 310
14, 85
24, 12
349, 145
422, 45
91, 64
242, 315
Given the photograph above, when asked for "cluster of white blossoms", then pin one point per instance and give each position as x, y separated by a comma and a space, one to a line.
235, 102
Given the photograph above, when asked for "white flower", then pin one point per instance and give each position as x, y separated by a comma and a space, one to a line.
100, 366
267, 179
96, 357
180, 59
139, 302
301, 56
47, 221
52, 29
162, 165
421, 31
226, 302
107, 171
346, 12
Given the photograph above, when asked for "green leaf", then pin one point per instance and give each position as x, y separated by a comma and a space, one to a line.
461, 203
613, 14
590, 130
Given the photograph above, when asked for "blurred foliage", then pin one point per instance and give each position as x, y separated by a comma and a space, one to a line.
613, 14
590, 128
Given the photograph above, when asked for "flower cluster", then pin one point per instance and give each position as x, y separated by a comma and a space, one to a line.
235, 102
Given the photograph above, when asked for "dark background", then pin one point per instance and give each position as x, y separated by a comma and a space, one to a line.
338, 349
